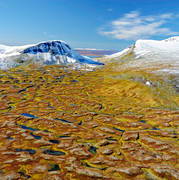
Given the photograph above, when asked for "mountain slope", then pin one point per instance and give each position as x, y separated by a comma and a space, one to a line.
48, 53
148, 61
162, 55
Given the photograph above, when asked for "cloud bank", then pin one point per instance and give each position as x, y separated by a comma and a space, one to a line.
133, 26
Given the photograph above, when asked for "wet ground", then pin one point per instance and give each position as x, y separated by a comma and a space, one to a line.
65, 124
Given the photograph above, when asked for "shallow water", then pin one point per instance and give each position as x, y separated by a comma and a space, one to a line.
99, 126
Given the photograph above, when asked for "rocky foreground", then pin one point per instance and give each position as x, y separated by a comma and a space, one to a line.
64, 124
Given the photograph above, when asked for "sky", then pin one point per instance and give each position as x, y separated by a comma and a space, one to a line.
101, 24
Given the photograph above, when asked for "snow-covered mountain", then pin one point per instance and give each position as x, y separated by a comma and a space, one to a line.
162, 55
47, 53
156, 57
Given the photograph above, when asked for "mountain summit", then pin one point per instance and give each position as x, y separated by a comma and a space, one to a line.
47, 53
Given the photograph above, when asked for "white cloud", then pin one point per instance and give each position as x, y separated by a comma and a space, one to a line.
133, 26
166, 16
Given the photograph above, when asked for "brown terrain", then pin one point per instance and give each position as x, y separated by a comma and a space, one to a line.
61, 124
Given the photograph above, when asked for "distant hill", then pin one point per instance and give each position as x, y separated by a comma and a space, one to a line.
94, 52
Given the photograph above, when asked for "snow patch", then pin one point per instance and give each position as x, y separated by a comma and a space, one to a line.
48, 52
161, 55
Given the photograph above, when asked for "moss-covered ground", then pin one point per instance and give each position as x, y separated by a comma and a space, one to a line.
58, 123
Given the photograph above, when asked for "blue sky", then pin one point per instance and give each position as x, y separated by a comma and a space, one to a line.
105, 24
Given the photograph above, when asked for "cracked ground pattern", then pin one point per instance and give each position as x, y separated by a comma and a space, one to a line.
61, 124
